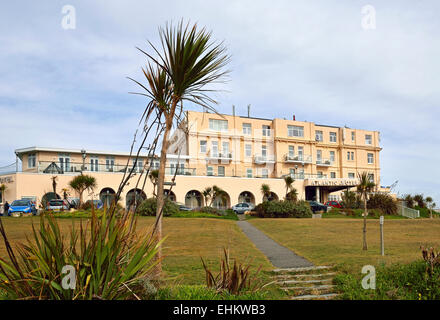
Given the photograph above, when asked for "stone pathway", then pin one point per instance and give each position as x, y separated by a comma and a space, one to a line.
295, 274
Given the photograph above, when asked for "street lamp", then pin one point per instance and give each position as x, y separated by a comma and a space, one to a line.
83, 167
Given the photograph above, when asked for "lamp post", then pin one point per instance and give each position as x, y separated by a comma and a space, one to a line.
83, 167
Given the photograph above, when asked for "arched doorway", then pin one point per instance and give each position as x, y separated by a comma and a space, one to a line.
273, 196
107, 196
134, 195
246, 197
47, 197
222, 201
169, 194
193, 199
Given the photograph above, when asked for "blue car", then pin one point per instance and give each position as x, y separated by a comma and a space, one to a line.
98, 204
20, 207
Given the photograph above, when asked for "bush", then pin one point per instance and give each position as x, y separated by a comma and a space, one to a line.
383, 202
351, 200
283, 209
211, 210
148, 208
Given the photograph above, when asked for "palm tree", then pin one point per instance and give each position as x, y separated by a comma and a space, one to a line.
217, 193
364, 187
420, 200
265, 191
292, 195
409, 201
188, 62
207, 195
81, 183
288, 180
429, 202
154, 174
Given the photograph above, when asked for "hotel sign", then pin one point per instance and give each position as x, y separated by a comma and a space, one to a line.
332, 182
6, 180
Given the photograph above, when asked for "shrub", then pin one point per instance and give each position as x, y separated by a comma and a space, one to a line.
383, 202
283, 209
211, 210
148, 208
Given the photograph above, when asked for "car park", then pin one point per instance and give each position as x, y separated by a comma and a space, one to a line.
334, 204
241, 208
317, 206
22, 207
58, 205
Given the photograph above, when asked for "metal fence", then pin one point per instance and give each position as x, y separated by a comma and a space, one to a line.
408, 212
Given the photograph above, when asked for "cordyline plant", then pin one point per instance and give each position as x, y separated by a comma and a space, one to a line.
233, 279
108, 257
432, 259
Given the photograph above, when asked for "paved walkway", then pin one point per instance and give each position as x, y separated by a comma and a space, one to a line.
279, 256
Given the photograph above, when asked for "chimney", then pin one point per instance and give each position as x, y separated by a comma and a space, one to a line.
294, 118
249, 110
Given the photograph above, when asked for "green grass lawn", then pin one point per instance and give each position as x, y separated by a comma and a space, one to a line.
188, 239
339, 241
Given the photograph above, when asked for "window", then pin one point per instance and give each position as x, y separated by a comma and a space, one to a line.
318, 135
266, 131
109, 163
353, 136
300, 153
32, 160
368, 139
370, 157
291, 151
265, 173
247, 128
332, 156
94, 163
292, 171
371, 177
350, 156
351, 175
332, 136
225, 149
318, 156
209, 171
248, 150
214, 148
249, 172
64, 162
221, 171
218, 125
320, 174
263, 151
295, 131
203, 144
333, 175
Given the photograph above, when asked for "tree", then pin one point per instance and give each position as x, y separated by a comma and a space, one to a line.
409, 201
288, 180
207, 195
265, 191
420, 200
3, 189
292, 195
430, 202
81, 183
364, 187
154, 174
188, 62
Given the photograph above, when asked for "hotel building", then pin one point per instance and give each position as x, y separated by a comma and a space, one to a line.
236, 153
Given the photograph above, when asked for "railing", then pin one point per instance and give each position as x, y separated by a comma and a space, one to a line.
264, 159
219, 156
324, 162
408, 212
303, 176
180, 171
298, 158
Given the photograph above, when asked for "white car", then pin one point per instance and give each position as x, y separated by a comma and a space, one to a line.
242, 207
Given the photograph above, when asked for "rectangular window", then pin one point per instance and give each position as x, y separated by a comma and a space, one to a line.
94, 163
371, 177
332, 156
295, 131
318, 156
225, 149
209, 171
247, 128
218, 125
292, 172
214, 148
320, 174
64, 160
266, 131
370, 157
248, 150
353, 136
32, 160
109, 163
368, 139
352, 156
319, 135
348, 155
203, 144
249, 172
332, 136
263, 151
221, 171
300, 153
291, 151
333, 175
265, 173
351, 175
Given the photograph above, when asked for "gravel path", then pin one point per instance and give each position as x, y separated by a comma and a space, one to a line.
279, 256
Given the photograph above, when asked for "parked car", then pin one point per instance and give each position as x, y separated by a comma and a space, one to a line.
334, 204
98, 204
316, 206
182, 207
241, 208
20, 207
74, 202
58, 205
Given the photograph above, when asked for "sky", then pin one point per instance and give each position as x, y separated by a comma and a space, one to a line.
316, 59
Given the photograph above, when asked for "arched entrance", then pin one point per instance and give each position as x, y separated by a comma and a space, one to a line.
222, 201
169, 194
273, 196
107, 196
47, 197
193, 199
246, 197
134, 195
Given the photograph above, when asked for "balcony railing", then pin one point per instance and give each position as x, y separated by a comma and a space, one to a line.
260, 159
219, 156
298, 158
324, 162
303, 176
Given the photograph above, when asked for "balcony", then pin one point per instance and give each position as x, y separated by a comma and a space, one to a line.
324, 162
262, 159
219, 156
304, 176
297, 159
178, 171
